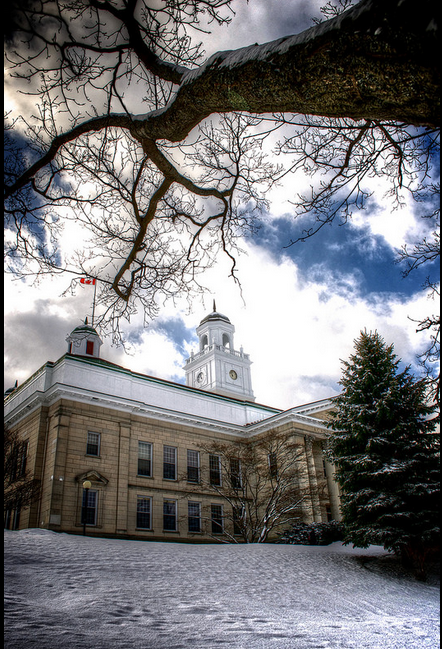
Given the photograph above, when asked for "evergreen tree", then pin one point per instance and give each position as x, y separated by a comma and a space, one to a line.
386, 454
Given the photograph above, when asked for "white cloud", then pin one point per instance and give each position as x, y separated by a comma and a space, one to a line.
155, 355
296, 327
399, 228
295, 336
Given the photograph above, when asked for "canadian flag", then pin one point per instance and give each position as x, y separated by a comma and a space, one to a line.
85, 280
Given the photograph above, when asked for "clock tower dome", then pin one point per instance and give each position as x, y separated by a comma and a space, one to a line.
217, 366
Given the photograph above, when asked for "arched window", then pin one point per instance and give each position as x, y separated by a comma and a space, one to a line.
226, 341
204, 342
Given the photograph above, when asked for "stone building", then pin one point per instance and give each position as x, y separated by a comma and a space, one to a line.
110, 446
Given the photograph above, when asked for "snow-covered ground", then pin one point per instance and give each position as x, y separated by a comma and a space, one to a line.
74, 592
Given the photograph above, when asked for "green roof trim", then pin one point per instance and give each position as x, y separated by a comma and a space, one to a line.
87, 329
151, 379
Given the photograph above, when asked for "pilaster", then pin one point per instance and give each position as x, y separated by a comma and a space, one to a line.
60, 436
313, 479
122, 495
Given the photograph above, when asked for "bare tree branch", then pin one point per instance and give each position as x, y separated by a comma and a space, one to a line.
258, 482
160, 153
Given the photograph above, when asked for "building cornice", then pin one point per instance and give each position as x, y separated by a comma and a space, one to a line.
132, 407
47, 390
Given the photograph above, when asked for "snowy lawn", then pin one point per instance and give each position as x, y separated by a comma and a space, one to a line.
74, 592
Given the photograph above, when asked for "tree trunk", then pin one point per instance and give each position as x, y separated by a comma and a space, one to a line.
378, 60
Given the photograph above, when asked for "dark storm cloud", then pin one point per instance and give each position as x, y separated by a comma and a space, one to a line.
35, 336
282, 20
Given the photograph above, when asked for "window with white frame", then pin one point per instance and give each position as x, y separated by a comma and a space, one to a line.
169, 516
144, 512
169, 463
145, 459
93, 444
194, 516
193, 466
217, 519
215, 470
235, 473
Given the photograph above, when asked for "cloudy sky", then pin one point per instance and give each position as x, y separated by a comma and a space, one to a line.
299, 308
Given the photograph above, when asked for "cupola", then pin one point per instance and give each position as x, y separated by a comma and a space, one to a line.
215, 329
217, 366
84, 341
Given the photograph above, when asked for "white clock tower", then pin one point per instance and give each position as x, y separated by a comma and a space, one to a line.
217, 366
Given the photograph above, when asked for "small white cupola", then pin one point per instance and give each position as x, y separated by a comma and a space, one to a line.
84, 341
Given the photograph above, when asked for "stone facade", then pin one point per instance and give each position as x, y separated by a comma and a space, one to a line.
133, 438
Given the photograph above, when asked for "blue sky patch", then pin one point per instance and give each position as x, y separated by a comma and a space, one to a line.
176, 330
338, 251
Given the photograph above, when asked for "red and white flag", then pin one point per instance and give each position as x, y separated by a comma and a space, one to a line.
86, 280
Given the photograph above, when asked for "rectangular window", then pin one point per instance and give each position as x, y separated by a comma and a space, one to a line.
93, 444
144, 512
215, 470
238, 519
19, 457
12, 518
23, 459
145, 459
15, 454
7, 518
235, 473
89, 508
194, 516
193, 466
217, 519
328, 512
169, 516
169, 463
16, 518
89, 347
273, 465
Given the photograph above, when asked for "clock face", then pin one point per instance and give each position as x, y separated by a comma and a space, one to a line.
233, 375
200, 377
